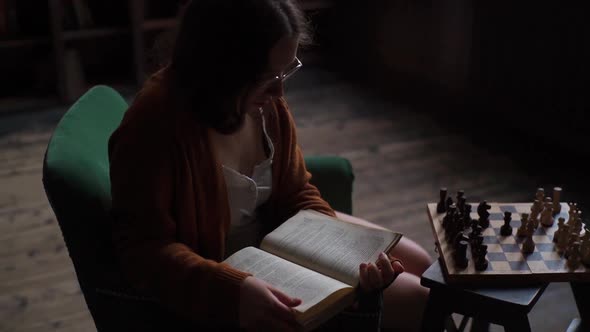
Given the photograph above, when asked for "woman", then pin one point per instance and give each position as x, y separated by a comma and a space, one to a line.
206, 162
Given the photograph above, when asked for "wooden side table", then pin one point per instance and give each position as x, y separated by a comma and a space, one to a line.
508, 307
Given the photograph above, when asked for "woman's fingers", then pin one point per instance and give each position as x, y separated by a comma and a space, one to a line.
387, 272
381, 274
375, 280
398, 266
364, 277
284, 298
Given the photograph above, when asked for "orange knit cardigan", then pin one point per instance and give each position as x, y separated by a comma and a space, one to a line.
170, 205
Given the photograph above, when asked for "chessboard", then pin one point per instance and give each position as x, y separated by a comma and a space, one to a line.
507, 265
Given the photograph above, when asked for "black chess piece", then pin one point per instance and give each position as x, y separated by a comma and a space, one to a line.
441, 206
458, 238
449, 216
477, 241
479, 257
484, 215
461, 206
448, 202
460, 255
467, 215
475, 232
454, 225
506, 229
460, 195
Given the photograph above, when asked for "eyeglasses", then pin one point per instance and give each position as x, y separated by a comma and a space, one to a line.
292, 69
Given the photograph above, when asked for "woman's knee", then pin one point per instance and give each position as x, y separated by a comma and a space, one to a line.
404, 303
415, 258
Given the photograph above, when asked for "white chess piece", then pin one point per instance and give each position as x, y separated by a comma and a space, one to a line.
556, 198
577, 227
572, 211
574, 259
585, 249
535, 210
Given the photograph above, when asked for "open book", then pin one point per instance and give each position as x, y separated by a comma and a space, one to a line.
316, 258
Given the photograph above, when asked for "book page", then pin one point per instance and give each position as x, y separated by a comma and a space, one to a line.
328, 245
292, 279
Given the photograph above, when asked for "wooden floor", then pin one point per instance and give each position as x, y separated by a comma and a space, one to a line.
400, 157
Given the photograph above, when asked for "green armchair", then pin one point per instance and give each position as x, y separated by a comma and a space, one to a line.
77, 185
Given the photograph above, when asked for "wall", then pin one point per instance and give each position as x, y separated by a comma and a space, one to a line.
523, 68
406, 45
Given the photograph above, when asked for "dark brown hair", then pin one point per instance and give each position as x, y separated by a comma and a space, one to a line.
221, 47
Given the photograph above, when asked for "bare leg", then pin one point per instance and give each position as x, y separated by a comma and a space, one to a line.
416, 260
404, 303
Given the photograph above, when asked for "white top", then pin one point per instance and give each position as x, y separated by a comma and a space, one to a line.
245, 195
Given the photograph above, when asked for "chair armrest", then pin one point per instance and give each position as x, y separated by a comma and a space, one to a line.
334, 177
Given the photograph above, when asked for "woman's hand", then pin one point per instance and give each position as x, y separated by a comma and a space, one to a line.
380, 275
262, 307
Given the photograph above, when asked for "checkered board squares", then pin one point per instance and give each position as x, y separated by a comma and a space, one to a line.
507, 265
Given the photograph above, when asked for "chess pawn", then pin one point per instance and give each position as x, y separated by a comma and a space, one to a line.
560, 228
547, 214
448, 202
460, 255
556, 202
456, 226
475, 232
467, 216
573, 209
535, 210
461, 201
506, 229
528, 246
484, 215
562, 239
458, 238
477, 241
448, 218
441, 206
573, 238
479, 260
540, 195
577, 227
574, 259
460, 194
521, 231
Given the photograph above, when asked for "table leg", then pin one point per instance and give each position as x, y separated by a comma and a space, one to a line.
581, 292
435, 312
520, 324
479, 325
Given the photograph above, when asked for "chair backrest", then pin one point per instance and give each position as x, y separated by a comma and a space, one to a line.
77, 185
